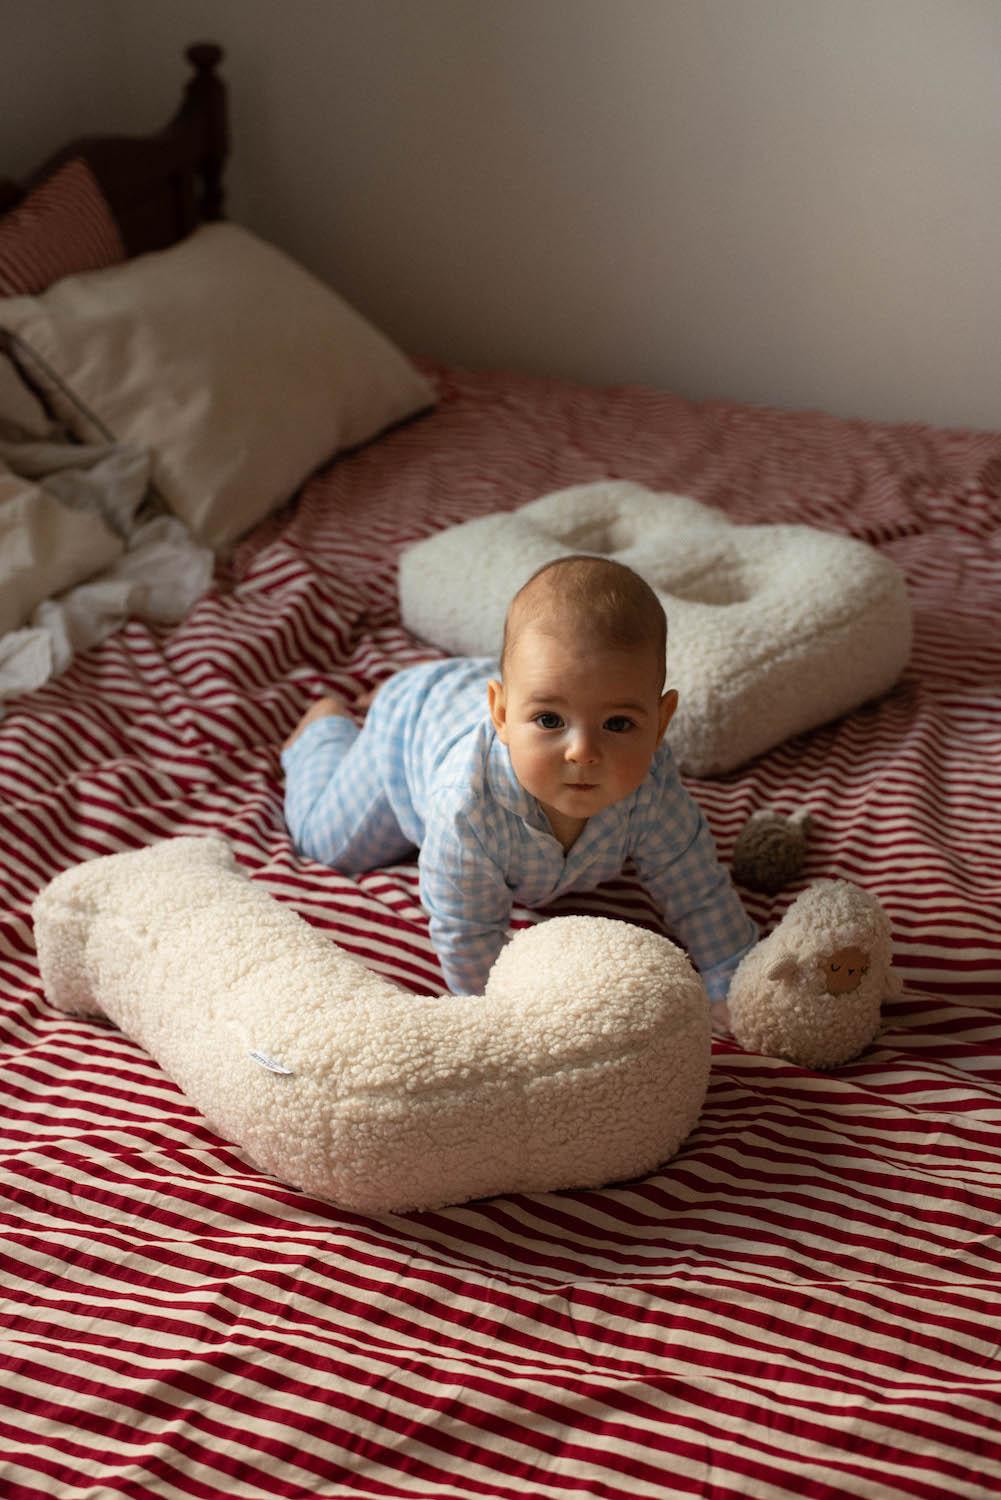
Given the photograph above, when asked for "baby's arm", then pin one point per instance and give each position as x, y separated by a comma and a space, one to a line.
677, 863
466, 952
466, 898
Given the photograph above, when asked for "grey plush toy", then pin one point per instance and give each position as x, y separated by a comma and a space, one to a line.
770, 850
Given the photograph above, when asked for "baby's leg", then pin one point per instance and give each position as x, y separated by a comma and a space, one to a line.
336, 807
323, 708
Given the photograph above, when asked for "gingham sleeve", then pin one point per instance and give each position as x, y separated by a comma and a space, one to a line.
464, 892
676, 861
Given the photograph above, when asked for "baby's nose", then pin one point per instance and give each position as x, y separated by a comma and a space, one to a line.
583, 748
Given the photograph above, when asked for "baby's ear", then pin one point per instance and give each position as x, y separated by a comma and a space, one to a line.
668, 704
498, 708
783, 967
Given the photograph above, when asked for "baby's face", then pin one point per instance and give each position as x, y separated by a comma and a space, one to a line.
581, 726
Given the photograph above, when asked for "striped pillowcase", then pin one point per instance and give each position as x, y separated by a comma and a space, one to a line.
63, 227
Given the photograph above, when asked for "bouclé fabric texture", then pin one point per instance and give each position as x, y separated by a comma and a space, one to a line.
585, 1061
785, 998
772, 629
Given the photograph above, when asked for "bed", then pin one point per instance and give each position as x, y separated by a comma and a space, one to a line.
804, 1302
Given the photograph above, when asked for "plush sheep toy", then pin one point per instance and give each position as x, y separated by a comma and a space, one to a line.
585, 1061
812, 990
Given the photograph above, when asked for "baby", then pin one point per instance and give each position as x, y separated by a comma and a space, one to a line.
521, 786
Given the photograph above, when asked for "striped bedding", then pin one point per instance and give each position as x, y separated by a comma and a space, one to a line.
804, 1303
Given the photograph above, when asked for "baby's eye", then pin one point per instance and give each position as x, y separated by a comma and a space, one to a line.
620, 724
548, 721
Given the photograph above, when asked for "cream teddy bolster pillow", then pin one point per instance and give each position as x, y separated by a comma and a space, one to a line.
585, 1061
239, 370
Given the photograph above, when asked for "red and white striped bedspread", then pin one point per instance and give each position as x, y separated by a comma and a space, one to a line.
804, 1303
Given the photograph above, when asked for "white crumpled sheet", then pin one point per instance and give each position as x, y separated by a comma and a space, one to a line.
158, 577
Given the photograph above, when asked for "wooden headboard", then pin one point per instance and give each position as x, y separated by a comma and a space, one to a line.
159, 186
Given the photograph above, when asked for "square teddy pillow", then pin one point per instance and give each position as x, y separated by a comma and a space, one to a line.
239, 371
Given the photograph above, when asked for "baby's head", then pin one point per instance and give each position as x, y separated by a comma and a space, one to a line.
581, 705
586, 603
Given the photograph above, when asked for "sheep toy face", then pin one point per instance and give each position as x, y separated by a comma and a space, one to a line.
812, 991
845, 970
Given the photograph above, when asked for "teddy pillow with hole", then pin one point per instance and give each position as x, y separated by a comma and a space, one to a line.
772, 629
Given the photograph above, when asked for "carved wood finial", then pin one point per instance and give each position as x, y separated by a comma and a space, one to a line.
204, 57
205, 103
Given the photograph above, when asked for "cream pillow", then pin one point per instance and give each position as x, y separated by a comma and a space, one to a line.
239, 370
19, 409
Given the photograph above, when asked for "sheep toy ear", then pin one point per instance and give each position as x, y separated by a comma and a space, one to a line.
786, 966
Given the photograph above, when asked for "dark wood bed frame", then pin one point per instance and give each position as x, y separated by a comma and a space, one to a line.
163, 185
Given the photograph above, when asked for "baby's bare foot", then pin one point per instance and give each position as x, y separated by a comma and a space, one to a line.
363, 702
332, 705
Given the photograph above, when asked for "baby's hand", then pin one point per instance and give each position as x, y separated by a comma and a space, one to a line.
323, 708
719, 1017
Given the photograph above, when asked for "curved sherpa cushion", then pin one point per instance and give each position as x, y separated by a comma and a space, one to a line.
773, 629
586, 1061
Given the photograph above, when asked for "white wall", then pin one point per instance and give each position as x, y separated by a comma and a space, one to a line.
58, 70
786, 201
